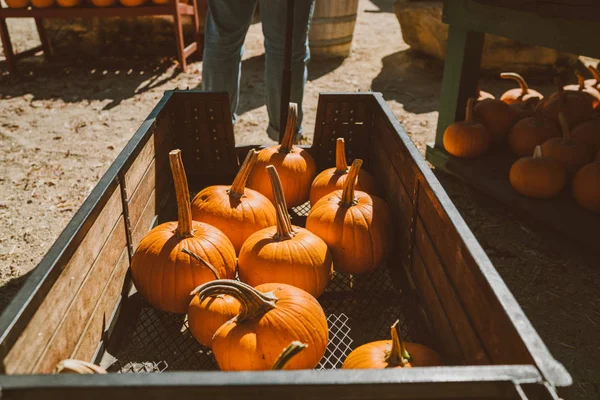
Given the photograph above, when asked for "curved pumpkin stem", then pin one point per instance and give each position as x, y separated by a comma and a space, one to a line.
239, 183
564, 126
288, 353
203, 262
595, 73
350, 184
580, 80
71, 366
398, 355
520, 80
182, 194
538, 152
469, 109
285, 230
253, 303
290, 129
341, 165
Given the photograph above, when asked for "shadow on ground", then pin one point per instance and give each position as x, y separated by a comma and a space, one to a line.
9, 290
386, 6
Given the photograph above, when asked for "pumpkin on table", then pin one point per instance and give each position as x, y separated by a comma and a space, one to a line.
575, 105
161, 271
72, 366
394, 353
355, 225
497, 116
132, 3
588, 132
236, 210
104, 3
271, 315
538, 176
334, 178
573, 154
467, 138
17, 3
42, 3
584, 89
586, 186
530, 132
295, 166
595, 81
69, 3
520, 94
480, 94
285, 253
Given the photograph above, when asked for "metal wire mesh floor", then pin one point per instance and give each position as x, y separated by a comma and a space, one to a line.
359, 309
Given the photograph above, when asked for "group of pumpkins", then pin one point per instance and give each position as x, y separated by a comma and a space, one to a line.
557, 138
77, 3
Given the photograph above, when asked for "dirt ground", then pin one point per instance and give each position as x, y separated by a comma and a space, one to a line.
63, 123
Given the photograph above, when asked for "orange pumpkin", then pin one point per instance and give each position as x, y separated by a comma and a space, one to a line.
271, 315
333, 178
573, 154
394, 353
575, 105
285, 253
295, 166
521, 94
132, 3
287, 354
525, 109
104, 3
586, 186
42, 3
69, 3
584, 89
538, 176
355, 225
206, 316
497, 116
17, 3
236, 210
530, 132
588, 132
467, 138
161, 271
72, 366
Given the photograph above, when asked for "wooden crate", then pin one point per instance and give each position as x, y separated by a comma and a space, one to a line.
79, 302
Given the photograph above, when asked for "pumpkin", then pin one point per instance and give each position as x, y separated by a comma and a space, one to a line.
285, 253
236, 210
573, 154
394, 353
104, 3
206, 316
538, 176
355, 225
71, 366
69, 3
522, 93
497, 116
295, 166
595, 81
586, 186
333, 178
42, 3
132, 3
575, 105
161, 271
480, 94
271, 315
588, 132
467, 138
530, 132
17, 3
582, 88
287, 354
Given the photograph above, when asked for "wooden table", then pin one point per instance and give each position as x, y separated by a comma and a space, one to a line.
566, 27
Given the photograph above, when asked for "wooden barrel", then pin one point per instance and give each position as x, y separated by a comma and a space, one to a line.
332, 28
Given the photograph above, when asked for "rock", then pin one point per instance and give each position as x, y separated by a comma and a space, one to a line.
423, 30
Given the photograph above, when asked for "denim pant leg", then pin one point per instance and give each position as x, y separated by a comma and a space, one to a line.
227, 24
273, 17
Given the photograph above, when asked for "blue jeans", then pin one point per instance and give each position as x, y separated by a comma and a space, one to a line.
226, 27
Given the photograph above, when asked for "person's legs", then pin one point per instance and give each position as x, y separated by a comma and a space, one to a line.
227, 23
273, 18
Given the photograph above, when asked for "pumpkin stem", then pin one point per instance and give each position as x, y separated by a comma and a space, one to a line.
239, 183
253, 303
290, 129
398, 354
538, 152
520, 80
580, 80
350, 184
288, 353
203, 262
285, 230
564, 126
71, 366
469, 110
182, 194
595, 73
341, 165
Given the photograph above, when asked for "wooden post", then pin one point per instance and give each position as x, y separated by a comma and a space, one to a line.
7, 45
179, 35
39, 23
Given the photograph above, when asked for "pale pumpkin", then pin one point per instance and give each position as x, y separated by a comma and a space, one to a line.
530, 132
586, 186
236, 210
285, 253
334, 178
575, 105
161, 271
481, 95
394, 353
72, 366
588, 132
468, 138
595, 81
271, 315
356, 226
287, 354
296, 168
538, 176
573, 154
520, 94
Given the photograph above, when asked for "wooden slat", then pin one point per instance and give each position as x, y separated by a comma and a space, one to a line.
71, 327
33, 340
88, 342
501, 340
139, 166
461, 325
138, 199
145, 221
